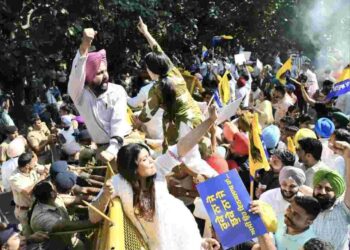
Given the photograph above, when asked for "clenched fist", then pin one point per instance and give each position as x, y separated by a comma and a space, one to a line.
88, 36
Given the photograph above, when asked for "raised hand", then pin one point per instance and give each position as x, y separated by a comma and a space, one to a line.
142, 27
88, 36
342, 148
213, 114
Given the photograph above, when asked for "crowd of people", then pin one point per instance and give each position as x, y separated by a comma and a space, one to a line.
164, 140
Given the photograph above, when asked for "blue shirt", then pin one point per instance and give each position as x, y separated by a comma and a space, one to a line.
5, 118
286, 241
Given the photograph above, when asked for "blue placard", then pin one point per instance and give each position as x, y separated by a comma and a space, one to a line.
227, 203
339, 89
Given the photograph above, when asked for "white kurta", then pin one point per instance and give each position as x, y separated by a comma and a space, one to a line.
173, 226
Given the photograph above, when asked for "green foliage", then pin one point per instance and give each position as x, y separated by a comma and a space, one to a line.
41, 36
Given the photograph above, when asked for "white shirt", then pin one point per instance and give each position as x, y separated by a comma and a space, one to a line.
68, 135
243, 92
310, 172
7, 170
282, 107
311, 83
105, 115
276, 200
154, 127
141, 97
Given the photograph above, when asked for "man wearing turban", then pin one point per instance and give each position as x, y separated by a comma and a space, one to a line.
333, 194
103, 105
290, 180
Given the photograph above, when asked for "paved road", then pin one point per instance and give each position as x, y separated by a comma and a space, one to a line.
6, 210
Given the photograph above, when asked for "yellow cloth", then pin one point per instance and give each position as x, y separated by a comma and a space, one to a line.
344, 75
257, 156
268, 217
224, 88
303, 133
227, 37
129, 116
265, 114
280, 73
291, 146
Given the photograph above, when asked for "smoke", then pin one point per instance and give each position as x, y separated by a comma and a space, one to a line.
324, 26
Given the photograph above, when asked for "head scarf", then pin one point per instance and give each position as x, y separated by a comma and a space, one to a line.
241, 82
229, 131
271, 136
341, 118
324, 127
65, 180
93, 63
66, 120
303, 133
294, 173
336, 180
16, 148
240, 144
218, 163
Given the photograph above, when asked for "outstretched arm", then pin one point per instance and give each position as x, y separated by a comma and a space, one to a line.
77, 74
306, 97
101, 202
186, 143
142, 27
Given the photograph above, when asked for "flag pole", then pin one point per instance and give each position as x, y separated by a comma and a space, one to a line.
251, 187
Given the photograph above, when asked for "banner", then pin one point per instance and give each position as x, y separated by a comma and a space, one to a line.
227, 202
339, 89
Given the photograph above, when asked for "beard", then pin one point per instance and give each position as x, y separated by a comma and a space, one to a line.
287, 195
99, 89
325, 201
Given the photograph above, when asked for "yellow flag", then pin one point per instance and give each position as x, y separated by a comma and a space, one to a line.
227, 37
257, 156
344, 75
224, 88
280, 73
290, 145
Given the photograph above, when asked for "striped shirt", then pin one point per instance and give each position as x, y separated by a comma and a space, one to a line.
333, 225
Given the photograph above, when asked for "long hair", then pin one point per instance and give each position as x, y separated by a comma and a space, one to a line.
127, 168
159, 64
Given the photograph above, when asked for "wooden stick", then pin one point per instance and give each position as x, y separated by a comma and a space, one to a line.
91, 167
74, 231
211, 100
295, 81
251, 190
110, 168
209, 103
98, 211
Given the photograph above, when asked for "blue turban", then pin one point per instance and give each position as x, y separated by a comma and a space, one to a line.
65, 180
271, 136
58, 167
324, 127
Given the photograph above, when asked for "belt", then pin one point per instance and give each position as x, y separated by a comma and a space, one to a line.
22, 208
